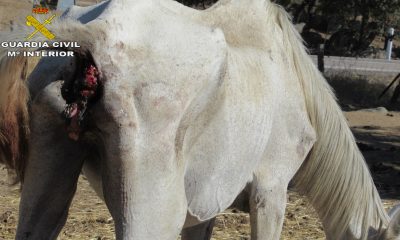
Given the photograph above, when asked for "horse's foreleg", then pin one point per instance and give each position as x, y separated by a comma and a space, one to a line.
267, 209
51, 173
202, 231
283, 157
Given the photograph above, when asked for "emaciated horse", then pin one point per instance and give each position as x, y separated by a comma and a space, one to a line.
199, 111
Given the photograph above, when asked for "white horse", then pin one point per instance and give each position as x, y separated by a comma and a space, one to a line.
200, 110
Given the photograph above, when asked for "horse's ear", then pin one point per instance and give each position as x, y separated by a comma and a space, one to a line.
393, 230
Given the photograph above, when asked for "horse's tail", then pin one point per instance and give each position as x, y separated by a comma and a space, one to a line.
14, 98
14, 116
335, 176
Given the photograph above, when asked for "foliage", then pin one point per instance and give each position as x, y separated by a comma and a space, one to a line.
353, 24
349, 26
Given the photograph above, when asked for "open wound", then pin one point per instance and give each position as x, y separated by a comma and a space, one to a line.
80, 94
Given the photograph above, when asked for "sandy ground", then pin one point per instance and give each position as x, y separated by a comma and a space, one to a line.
13, 12
378, 134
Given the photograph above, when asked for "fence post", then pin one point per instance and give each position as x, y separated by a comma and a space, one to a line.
321, 64
389, 46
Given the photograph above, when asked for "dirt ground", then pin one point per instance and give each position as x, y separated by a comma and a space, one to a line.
377, 132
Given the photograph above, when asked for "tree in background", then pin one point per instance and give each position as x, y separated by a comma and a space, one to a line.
350, 25
364, 19
347, 27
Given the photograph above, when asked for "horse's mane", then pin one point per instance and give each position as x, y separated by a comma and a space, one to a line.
335, 176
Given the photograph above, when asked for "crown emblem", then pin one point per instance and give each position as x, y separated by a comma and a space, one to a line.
40, 10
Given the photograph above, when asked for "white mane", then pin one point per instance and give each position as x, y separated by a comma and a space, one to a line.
335, 176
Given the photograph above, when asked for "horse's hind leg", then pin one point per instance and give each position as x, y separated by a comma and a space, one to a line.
202, 231
51, 173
